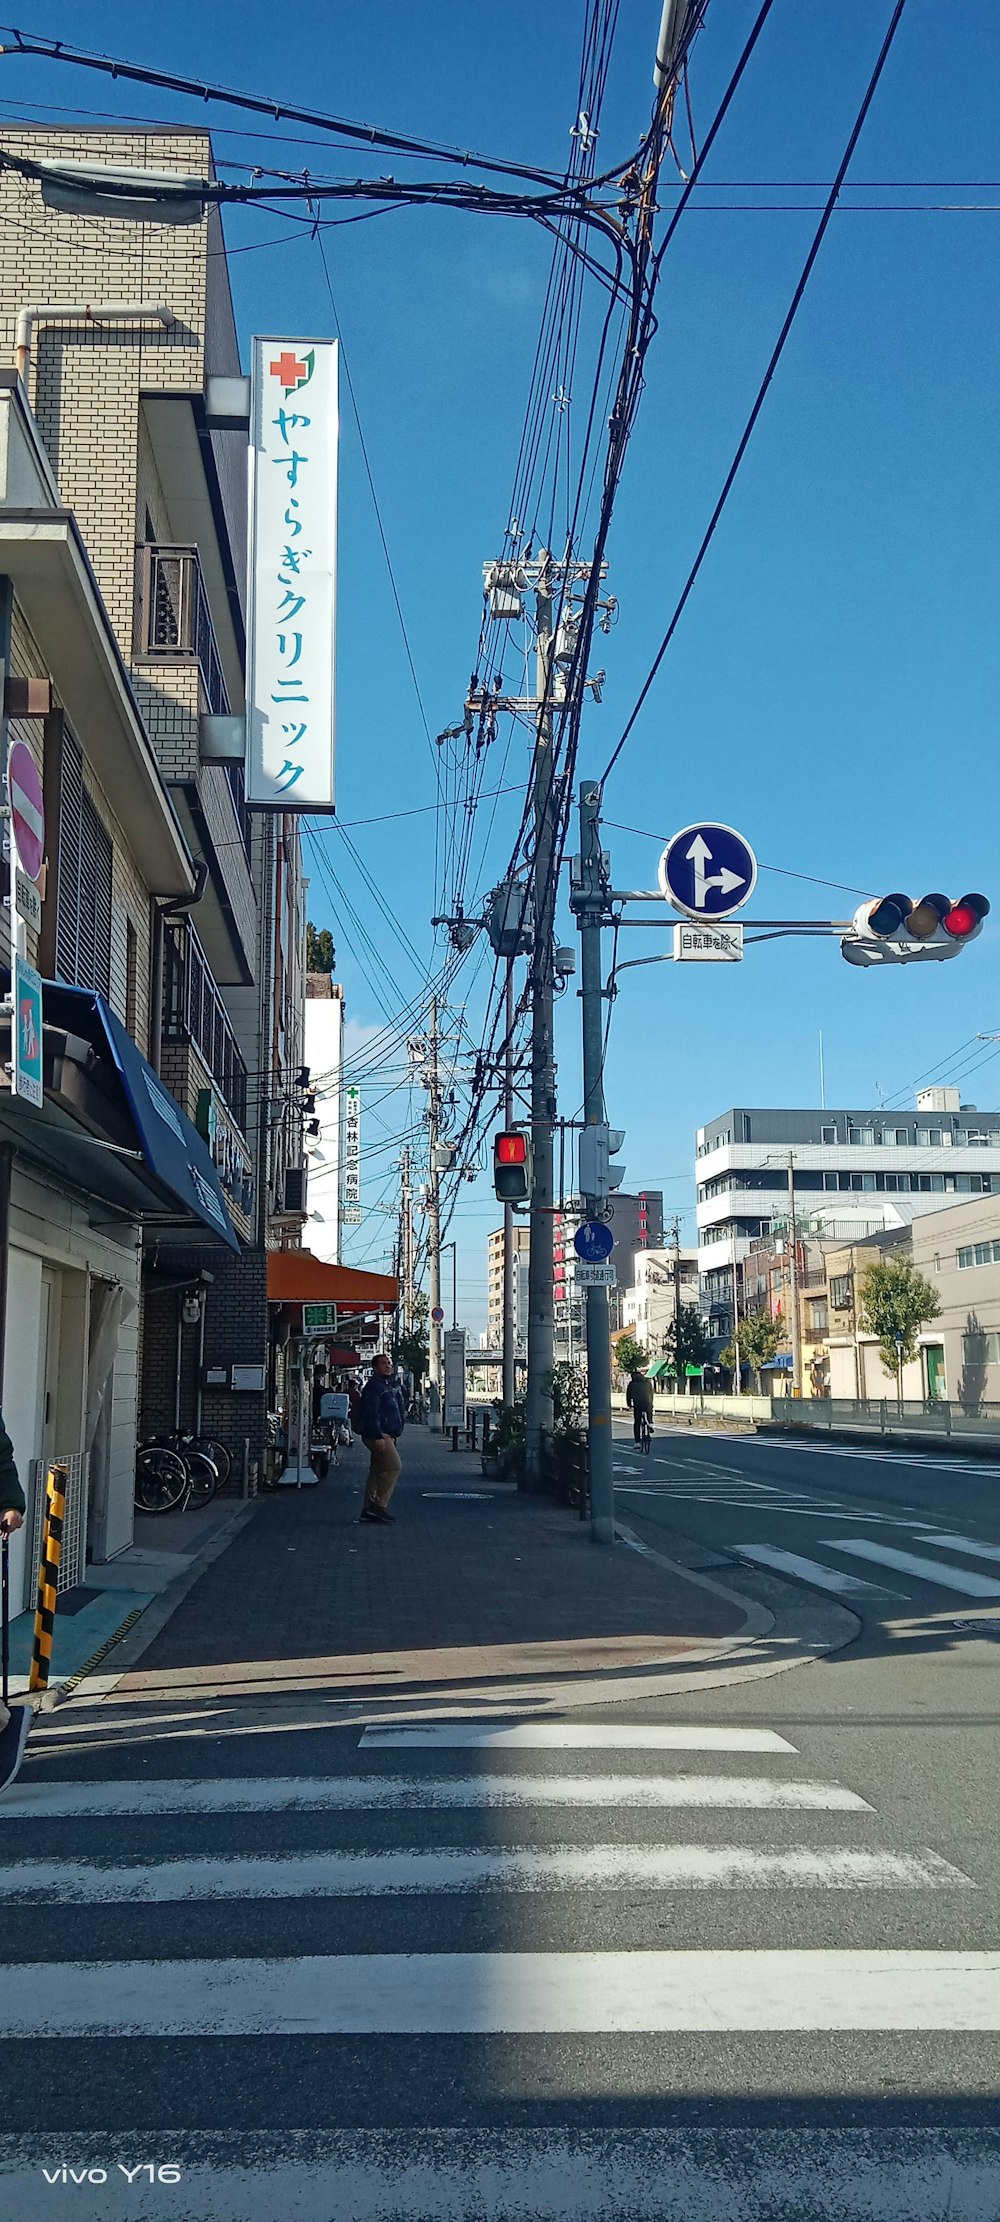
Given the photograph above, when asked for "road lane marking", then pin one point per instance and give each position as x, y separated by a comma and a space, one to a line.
510, 1993
43, 1801
931, 1570
446, 1871
569, 1736
809, 1570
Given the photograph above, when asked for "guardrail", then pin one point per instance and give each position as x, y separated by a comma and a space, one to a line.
936, 1418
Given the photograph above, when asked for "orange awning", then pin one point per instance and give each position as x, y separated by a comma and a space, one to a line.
296, 1277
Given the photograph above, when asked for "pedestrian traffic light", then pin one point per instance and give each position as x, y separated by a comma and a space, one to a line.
892, 929
513, 1173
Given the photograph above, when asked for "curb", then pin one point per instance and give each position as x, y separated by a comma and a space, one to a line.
139, 1629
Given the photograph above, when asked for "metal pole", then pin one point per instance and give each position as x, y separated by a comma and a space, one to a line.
434, 1231
794, 1264
509, 1325
590, 911
736, 1323
541, 1310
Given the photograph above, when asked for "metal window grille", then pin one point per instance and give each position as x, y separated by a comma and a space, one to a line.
83, 890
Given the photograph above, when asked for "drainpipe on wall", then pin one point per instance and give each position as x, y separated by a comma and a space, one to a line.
82, 312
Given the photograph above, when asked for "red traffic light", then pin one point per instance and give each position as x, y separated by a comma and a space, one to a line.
965, 916
510, 1149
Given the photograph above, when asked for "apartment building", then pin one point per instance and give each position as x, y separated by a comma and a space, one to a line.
324, 1048
494, 1288
171, 932
636, 1222
853, 1174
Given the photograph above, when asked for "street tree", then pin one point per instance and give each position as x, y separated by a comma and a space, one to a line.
630, 1354
761, 1335
894, 1302
320, 952
413, 1347
685, 1342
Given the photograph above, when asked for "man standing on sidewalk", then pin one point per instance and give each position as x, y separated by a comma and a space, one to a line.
381, 1422
15, 1720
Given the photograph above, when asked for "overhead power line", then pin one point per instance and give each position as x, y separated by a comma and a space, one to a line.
776, 354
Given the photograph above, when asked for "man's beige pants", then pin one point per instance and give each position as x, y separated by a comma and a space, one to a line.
383, 1471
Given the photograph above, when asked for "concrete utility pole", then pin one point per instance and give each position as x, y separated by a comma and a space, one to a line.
541, 1303
794, 1269
590, 904
434, 1222
509, 1322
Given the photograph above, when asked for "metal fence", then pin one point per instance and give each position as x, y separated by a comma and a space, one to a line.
934, 1417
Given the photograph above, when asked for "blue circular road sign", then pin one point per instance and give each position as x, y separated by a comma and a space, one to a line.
708, 871
593, 1242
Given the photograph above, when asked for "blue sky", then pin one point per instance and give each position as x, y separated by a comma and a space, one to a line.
833, 687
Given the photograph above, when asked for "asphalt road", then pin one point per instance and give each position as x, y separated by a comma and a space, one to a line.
735, 1955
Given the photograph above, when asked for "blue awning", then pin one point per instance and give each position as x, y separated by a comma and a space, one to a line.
781, 1363
108, 1126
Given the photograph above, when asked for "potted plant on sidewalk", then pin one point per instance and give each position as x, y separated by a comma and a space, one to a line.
505, 1457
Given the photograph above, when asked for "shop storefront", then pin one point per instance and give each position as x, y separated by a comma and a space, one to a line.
107, 1160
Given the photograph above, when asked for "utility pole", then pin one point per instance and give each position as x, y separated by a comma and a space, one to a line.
559, 684
794, 1263
434, 1224
509, 1322
541, 1304
590, 904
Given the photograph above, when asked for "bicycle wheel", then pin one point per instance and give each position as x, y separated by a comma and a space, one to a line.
203, 1478
161, 1479
221, 1458
647, 1434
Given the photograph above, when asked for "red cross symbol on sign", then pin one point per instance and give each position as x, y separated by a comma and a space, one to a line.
289, 369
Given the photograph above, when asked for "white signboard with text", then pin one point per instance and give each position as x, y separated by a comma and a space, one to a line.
291, 617
350, 1211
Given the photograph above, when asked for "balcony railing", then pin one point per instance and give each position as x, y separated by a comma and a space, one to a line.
176, 618
193, 1010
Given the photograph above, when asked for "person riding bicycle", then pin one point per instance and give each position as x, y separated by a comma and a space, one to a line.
639, 1398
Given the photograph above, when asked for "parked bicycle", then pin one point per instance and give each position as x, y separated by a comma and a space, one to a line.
178, 1471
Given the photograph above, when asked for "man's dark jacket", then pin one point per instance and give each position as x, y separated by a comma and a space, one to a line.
382, 1411
639, 1395
11, 1492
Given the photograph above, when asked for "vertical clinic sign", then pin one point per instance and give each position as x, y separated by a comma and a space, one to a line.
351, 1196
291, 634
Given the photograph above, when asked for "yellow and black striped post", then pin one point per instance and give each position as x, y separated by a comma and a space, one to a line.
48, 1575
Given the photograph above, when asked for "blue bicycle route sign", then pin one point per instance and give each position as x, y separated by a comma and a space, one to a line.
593, 1242
708, 871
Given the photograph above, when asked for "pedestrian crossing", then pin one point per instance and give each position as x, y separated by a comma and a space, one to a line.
515, 1881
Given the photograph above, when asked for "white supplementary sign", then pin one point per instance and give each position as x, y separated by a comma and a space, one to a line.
454, 1377
291, 629
719, 943
593, 1276
351, 1179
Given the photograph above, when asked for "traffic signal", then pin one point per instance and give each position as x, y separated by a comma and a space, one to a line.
598, 1173
893, 929
513, 1172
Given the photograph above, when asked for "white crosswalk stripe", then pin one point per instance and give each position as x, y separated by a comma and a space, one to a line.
481, 1857
576, 1829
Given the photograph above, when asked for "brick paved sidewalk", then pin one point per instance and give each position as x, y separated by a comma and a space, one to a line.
474, 1589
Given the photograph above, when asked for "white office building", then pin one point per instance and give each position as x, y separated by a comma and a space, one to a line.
855, 1173
324, 1040
648, 1306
